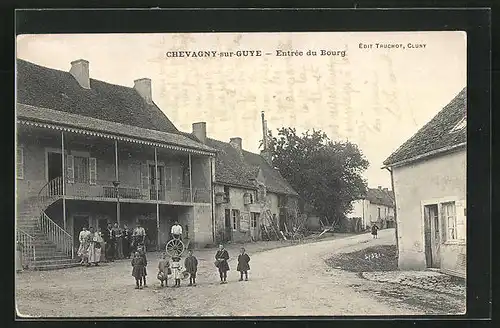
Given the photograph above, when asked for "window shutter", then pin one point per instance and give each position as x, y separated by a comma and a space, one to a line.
92, 170
444, 225
20, 163
145, 175
461, 226
70, 169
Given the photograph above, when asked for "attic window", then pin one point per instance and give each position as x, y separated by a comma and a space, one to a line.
460, 125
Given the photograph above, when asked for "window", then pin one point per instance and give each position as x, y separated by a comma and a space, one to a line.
236, 218
168, 178
460, 125
449, 217
20, 163
251, 198
226, 194
253, 219
81, 169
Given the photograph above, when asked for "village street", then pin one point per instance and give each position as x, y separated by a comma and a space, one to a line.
284, 281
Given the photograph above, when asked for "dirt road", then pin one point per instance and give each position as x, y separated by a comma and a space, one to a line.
287, 281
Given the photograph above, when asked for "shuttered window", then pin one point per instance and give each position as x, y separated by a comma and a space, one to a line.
70, 169
168, 178
92, 170
449, 216
20, 163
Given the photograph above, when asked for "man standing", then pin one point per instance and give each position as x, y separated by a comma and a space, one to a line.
118, 242
176, 231
139, 236
110, 239
127, 234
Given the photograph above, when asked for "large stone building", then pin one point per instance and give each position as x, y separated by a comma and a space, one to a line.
90, 153
429, 177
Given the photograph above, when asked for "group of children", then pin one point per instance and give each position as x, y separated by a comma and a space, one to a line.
175, 269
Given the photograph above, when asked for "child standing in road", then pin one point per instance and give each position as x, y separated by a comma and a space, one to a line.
176, 270
163, 270
138, 270
375, 231
243, 266
142, 252
191, 265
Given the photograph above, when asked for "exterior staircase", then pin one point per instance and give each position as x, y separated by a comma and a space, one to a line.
45, 245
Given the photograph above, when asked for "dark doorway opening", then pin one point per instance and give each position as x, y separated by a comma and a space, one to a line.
227, 225
432, 236
54, 162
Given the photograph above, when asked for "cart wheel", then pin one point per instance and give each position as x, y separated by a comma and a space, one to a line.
175, 247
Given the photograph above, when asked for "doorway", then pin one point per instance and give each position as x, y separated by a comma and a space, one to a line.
79, 221
432, 236
227, 225
54, 165
149, 226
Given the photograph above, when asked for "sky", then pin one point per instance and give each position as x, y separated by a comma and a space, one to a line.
373, 96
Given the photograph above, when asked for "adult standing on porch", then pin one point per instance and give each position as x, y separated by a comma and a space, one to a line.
94, 249
127, 234
221, 258
83, 238
119, 242
139, 236
176, 231
109, 238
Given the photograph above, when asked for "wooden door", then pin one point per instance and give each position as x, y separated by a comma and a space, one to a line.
254, 225
432, 236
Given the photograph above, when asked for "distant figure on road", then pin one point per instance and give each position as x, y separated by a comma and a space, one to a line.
176, 231
243, 266
375, 231
221, 258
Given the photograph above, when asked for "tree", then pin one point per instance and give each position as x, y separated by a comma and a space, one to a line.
327, 174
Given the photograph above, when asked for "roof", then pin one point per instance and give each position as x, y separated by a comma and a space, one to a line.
58, 90
437, 134
59, 118
235, 169
380, 196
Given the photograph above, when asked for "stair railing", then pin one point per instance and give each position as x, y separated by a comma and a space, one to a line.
52, 188
27, 245
56, 234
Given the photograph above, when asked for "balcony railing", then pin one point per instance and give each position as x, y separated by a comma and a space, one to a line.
106, 189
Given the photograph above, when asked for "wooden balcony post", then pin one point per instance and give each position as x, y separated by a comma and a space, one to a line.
190, 179
63, 180
157, 202
117, 178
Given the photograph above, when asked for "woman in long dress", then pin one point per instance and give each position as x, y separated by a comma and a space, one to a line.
94, 249
84, 245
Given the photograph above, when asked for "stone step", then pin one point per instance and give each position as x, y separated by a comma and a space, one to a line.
56, 266
52, 256
54, 261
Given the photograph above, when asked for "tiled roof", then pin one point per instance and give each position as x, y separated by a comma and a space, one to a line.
49, 88
380, 196
436, 134
60, 118
235, 169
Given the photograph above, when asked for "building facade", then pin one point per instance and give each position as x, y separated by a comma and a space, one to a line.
429, 177
91, 153
249, 194
377, 207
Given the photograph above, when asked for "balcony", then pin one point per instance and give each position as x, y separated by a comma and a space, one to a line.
106, 190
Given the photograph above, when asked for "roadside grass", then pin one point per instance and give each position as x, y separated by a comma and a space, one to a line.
376, 258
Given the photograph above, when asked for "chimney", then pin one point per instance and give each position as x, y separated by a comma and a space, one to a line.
264, 132
386, 189
236, 143
200, 131
80, 71
379, 187
143, 88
